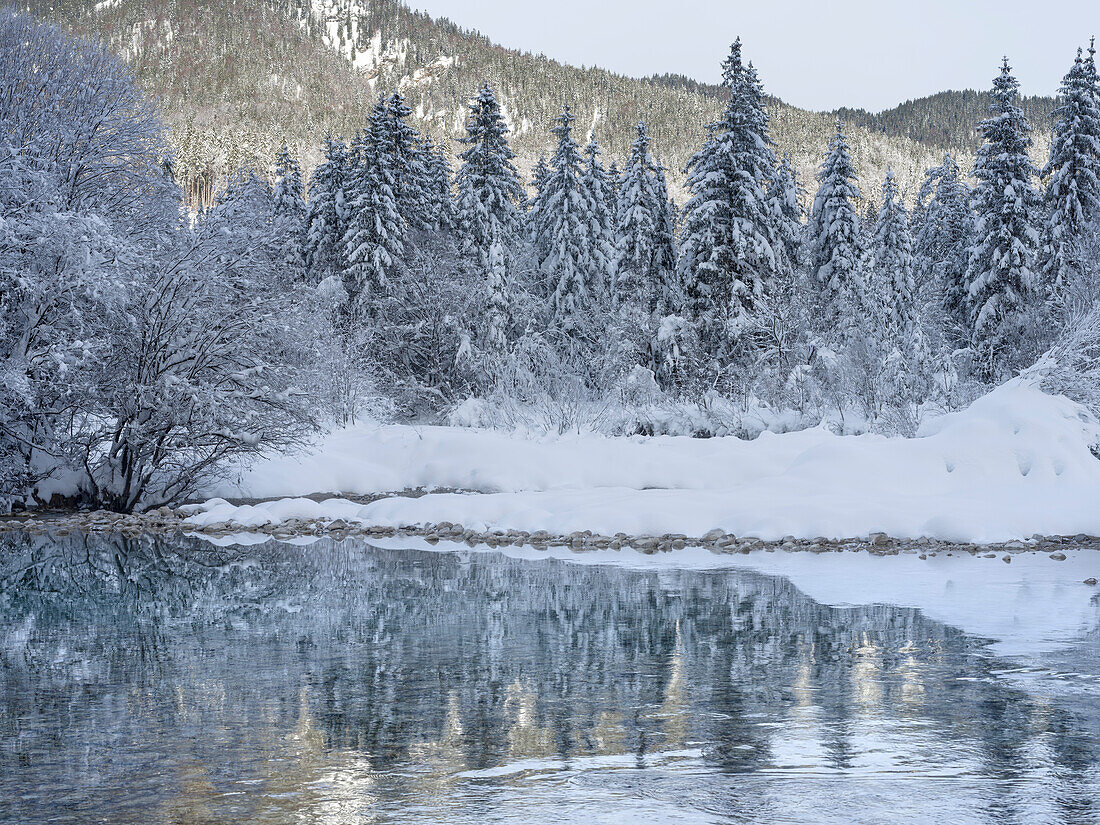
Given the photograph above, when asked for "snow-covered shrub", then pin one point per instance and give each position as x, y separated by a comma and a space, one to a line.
139, 350
1072, 366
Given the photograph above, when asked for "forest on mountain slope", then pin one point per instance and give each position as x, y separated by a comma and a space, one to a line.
237, 79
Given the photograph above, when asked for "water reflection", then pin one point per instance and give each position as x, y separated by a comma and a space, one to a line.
172, 681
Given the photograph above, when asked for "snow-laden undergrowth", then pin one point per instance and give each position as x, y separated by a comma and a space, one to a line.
1016, 462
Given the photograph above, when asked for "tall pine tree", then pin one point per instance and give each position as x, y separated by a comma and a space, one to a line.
489, 191
561, 234
942, 248
1072, 173
892, 255
377, 230
671, 294
834, 239
730, 238
489, 188
601, 252
289, 220
1001, 272
327, 212
785, 199
438, 195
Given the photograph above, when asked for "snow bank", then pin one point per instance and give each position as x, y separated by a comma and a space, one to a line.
1015, 463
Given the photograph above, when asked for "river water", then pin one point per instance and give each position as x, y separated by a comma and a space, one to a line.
160, 680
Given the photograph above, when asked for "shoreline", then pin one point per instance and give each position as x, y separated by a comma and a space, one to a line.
171, 521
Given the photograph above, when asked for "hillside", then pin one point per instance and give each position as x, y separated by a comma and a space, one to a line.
235, 79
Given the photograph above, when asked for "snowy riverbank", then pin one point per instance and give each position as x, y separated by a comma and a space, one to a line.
1016, 463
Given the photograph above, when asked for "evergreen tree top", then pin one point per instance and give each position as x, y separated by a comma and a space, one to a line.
640, 147
1007, 130
731, 66
540, 173
566, 159
563, 130
836, 174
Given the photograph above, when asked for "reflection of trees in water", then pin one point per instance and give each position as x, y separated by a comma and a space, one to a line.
334, 663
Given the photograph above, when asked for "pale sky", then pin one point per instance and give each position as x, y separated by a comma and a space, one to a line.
817, 55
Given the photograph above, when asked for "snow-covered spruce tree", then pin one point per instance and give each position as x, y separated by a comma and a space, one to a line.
892, 262
942, 247
327, 212
901, 340
490, 223
729, 238
562, 225
671, 293
399, 148
1072, 174
834, 240
540, 177
1001, 272
640, 218
289, 213
614, 181
785, 198
601, 227
439, 195
646, 272
374, 241
489, 188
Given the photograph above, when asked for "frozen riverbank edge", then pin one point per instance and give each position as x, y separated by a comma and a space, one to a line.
169, 521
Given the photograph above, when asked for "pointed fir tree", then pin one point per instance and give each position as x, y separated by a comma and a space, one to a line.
1000, 275
398, 147
671, 294
1072, 173
942, 246
327, 213
834, 239
600, 253
439, 195
785, 199
639, 216
375, 238
646, 236
561, 233
499, 304
729, 239
540, 177
288, 185
289, 217
892, 251
614, 180
489, 187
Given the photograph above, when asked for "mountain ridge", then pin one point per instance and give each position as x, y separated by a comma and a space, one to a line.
236, 79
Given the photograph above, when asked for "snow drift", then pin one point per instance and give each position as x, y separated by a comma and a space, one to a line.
1016, 462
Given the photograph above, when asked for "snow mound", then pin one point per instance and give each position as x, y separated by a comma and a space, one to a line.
1016, 462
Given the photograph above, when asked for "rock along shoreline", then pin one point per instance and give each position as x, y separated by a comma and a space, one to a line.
170, 521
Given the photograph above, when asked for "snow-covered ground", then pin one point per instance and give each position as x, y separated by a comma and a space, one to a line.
1015, 463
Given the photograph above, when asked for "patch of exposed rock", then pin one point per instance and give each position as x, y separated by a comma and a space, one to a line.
165, 520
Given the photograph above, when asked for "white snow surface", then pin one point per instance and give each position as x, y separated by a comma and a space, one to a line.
1015, 463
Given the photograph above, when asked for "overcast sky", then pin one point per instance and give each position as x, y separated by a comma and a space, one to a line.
815, 54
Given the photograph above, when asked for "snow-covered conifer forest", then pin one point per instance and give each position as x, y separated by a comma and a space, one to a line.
148, 342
